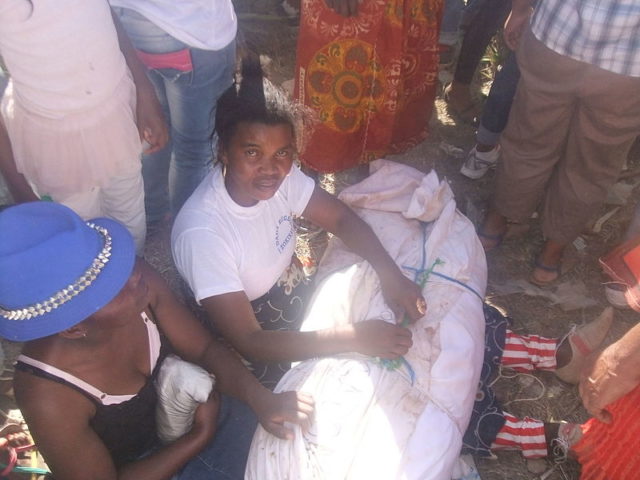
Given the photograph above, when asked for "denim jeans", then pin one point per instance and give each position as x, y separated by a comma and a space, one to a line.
483, 20
450, 24
498, 105
225, 458
189, 103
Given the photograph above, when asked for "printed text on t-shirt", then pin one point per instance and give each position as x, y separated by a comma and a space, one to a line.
284, 234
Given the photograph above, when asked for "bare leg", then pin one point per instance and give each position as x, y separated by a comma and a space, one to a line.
493, 230
547, 267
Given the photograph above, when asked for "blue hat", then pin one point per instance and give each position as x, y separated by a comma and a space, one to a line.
56, 269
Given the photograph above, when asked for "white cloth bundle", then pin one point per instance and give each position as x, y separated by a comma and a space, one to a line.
181, 386
371, 422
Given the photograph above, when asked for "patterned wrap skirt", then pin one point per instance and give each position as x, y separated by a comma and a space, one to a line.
281, 308
370, 79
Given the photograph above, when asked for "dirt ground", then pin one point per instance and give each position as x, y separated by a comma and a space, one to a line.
509, 266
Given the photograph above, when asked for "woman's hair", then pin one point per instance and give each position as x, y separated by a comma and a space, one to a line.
254, 99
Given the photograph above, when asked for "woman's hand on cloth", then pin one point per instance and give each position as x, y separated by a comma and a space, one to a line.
403, 296
611, 374
378, 338
205, 420
276, 410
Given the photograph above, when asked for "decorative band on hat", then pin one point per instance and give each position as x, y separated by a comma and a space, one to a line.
67, 293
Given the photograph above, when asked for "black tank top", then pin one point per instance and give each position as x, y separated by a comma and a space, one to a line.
127, 429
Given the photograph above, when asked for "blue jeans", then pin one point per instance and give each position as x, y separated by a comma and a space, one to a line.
498, 105
482, 21
189, 103
451, 15
225, 458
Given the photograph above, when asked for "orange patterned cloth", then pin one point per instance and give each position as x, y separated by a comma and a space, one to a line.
612, 451
371, 79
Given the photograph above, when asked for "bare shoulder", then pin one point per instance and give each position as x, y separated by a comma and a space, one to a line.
59, 420
43, 399
158, 287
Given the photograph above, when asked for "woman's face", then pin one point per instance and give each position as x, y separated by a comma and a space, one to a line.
257, 159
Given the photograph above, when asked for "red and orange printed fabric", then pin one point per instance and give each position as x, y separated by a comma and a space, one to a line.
370, 79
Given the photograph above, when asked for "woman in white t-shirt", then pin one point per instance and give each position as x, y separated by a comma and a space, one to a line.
234, 241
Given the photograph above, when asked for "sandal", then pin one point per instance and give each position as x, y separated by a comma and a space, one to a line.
552, 269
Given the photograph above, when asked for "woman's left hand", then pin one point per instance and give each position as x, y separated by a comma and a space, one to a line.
403, 296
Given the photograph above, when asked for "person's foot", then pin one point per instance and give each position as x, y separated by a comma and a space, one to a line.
561, 437
478, 162
615, 293
547, 266
492, 231
574, 349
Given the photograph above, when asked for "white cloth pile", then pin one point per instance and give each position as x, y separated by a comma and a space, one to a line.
181, 387
372, 422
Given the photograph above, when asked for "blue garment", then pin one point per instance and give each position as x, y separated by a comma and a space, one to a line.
189, 103
495, 112
225, 457
281, 308
482, 19
451, 17
487, 417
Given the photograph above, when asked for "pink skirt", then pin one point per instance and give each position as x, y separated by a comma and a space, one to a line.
78, 151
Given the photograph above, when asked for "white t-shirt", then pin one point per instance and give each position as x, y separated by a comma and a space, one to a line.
221, 247
205, 24
63, 55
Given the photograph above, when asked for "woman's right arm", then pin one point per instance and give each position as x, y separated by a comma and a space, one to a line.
58, 419
233, 315
20, 189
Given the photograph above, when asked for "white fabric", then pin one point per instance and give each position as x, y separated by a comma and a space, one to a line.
205, 24
371, 422
221, 247
63, 55
181, 387
122, 199
69, 108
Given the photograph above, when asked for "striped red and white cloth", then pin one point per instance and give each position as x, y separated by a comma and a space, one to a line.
526, 434
525, 353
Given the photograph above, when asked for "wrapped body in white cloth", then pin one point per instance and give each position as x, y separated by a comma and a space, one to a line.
403, 420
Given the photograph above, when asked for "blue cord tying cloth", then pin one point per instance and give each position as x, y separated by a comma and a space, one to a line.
421, 276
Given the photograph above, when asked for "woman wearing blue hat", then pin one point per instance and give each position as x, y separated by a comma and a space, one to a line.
97, 326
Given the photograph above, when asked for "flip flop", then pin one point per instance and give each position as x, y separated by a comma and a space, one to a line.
555, 269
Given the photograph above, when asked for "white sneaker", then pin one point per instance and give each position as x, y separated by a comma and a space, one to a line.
478, 163
615, 293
